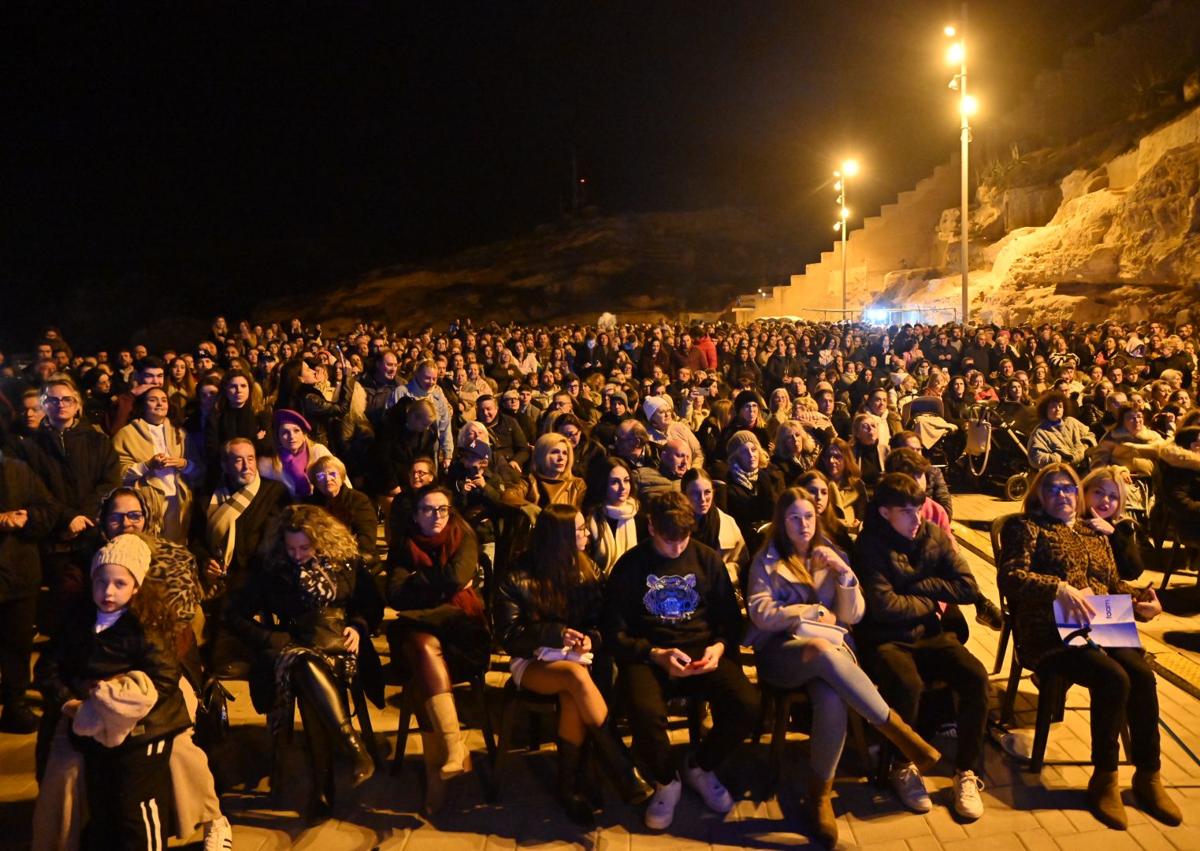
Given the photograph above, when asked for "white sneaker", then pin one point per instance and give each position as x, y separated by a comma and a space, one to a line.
910, 788
967, 801
709, 787
661, 809
218, 836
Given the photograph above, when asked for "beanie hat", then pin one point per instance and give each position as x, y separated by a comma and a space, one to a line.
739, 439
744, 398
129, 551
651, 405
287, 415
620, 396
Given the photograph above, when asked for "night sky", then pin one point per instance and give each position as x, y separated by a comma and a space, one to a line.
168, 160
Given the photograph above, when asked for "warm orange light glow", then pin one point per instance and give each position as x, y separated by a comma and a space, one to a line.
954, 56
850, 167
969, 105
950, 31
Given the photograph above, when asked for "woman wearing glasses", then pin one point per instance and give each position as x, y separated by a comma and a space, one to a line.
441, 634
1052, 555
332, 491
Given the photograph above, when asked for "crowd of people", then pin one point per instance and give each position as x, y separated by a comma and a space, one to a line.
610, 507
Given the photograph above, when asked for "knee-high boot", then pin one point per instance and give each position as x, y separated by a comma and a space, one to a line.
443, 718
619, 764
317, 685
573, 802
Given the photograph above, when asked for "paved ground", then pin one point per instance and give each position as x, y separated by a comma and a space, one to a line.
1024, 811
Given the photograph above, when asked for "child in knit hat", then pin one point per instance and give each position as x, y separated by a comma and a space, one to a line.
129, 628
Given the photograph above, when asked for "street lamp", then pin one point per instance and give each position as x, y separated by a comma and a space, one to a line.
967, 106
849, 169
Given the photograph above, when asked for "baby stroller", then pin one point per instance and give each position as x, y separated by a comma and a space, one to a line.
995, 454
926, 416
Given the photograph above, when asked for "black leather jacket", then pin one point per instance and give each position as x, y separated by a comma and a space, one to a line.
520, 628
79, 657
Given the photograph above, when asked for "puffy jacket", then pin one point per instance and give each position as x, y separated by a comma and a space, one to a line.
79, 656
1067, 440
520, 627
904, 581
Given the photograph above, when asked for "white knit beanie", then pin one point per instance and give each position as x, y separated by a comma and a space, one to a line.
651, 405
129, 551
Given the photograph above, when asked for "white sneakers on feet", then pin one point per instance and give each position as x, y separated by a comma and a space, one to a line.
707, 785
967, 801
218, 836
910, 788
661, 809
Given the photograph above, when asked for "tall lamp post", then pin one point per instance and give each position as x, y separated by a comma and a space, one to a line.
848, 170
967, 106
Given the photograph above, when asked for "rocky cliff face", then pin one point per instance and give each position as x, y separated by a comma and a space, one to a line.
633, 265
1120, 241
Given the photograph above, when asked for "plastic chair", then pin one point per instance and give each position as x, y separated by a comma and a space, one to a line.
783, 702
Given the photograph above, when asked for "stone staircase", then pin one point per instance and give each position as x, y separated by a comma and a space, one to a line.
901, 236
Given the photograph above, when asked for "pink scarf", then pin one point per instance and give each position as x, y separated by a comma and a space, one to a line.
295, 470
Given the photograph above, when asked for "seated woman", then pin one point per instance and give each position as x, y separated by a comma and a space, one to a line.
324, 609
867, 448
550, 480
613, 525
849, 495
834, 528
1051, 555
353, 509
237, 412
1179, 467
546, 615
715, 528
1129, 443
798, 584
751, 489
441, 635
1104, 491
795, 452
1058, 438
747, 416
294, 453
587, 452
153, 453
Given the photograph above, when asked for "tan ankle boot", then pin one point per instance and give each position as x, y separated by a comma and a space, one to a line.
1104, 800
1153, 798
915, 749
818, 808
443, 717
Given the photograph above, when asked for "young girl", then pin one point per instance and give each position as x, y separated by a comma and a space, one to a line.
1104, 511
127, 630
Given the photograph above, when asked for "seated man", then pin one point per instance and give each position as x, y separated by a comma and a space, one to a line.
673, 463
672, 623
910, 571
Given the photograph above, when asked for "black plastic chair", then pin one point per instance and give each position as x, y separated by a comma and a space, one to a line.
407, 710
779, 704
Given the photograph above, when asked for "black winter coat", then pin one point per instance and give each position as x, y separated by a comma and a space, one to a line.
903, 581
79, 467
20, 562
357, 513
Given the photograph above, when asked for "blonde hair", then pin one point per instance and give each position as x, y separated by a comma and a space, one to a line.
328, 536
541, 451
1113, 473
1033, 496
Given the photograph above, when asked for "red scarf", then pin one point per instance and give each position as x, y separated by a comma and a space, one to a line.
424, 548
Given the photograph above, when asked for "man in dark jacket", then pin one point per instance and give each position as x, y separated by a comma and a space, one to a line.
226, 533
671, 622
27, 513
909, 572
78, 465
510, 444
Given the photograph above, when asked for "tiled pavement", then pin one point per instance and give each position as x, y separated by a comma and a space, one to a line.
1024, 812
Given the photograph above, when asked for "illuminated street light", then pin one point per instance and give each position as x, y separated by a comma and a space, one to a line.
967, 106
848, 170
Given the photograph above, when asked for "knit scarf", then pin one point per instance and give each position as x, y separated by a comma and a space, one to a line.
745, 478
424, 549
223, 511
295, 469
612, 543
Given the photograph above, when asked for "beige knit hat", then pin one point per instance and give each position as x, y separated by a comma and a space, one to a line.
738, 438
129, 551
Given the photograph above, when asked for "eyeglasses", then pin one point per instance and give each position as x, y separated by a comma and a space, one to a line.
435, 510
328, 476
115, 517
1062, 490
62, 401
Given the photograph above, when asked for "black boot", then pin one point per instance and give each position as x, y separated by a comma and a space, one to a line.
632, 787
573, 802
325, 699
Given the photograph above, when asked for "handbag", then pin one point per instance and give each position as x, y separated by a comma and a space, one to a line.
212, 713
831, 632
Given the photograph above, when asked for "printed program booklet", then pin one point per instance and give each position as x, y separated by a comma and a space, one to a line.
1111, 626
